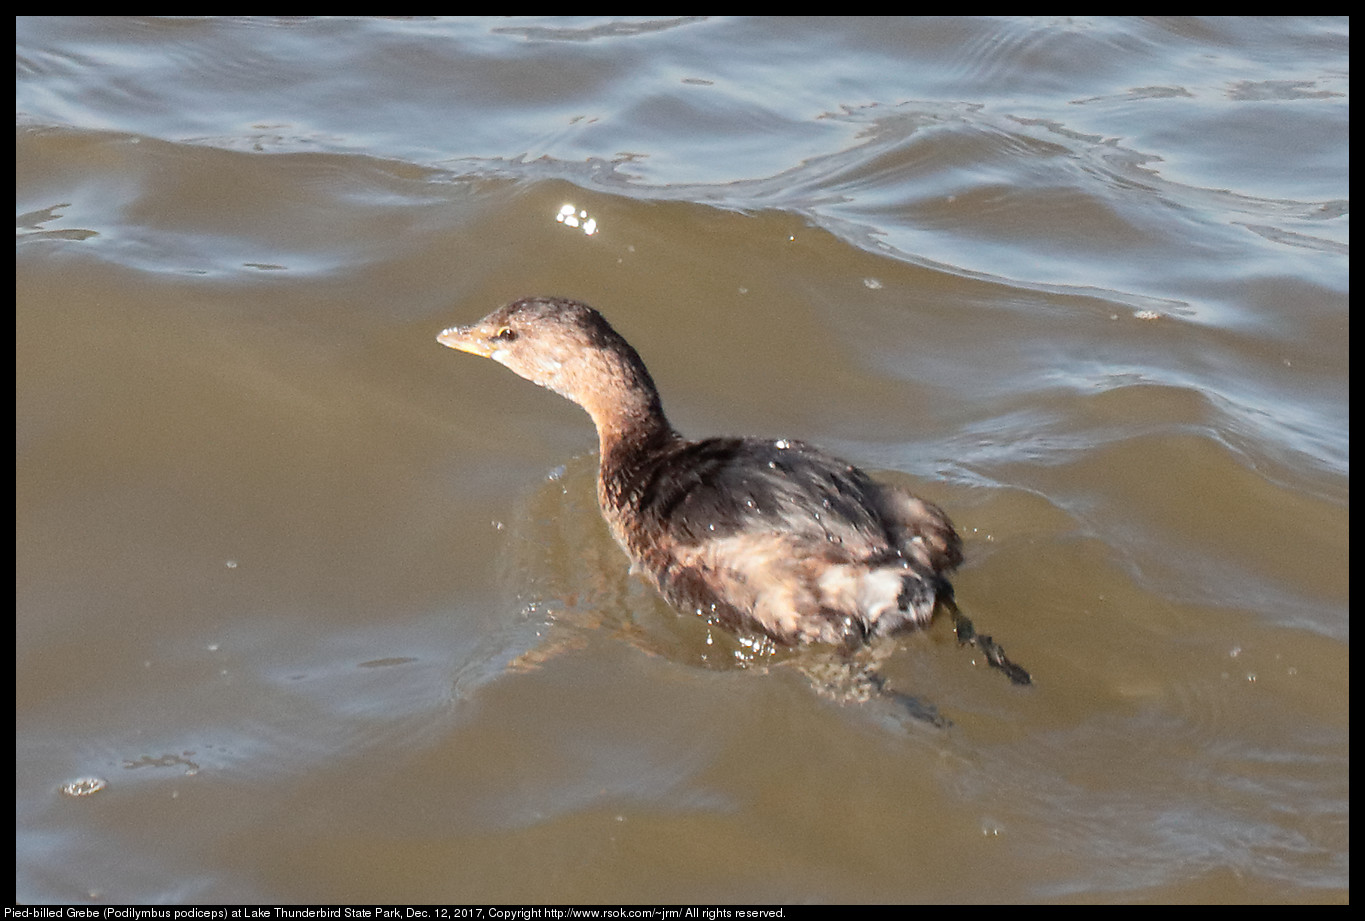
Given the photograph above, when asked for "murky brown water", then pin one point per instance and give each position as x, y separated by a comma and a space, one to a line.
329, 610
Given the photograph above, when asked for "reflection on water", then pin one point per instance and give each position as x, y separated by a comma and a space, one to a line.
1083, 282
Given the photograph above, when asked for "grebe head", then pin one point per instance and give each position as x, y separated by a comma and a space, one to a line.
568, 347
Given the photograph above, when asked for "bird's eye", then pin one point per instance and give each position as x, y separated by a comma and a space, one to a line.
506, 334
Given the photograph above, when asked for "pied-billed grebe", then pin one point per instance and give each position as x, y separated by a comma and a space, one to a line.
773, 536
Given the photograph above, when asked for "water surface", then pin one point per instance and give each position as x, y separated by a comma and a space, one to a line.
329, 610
